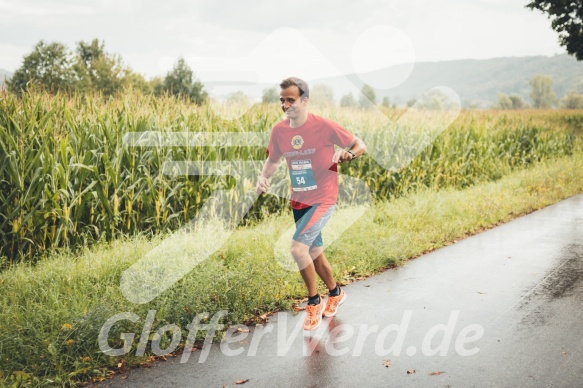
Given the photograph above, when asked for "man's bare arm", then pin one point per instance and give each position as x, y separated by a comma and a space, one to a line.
358, 148
268, 170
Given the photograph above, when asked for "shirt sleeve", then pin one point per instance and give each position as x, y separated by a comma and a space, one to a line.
273, 152
340, 136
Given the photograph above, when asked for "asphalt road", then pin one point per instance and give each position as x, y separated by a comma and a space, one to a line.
500, 309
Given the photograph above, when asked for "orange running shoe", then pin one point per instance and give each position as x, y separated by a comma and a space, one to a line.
333, 302
314, 315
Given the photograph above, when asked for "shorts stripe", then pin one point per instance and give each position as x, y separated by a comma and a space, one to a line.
310, 222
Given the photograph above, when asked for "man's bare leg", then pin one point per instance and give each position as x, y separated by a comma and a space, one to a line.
301, 254
322, 267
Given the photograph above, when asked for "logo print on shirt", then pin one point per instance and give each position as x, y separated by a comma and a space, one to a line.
297, 142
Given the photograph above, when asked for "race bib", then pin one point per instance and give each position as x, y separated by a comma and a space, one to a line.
302, 176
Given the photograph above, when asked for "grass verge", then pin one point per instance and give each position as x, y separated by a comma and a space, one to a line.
52, 312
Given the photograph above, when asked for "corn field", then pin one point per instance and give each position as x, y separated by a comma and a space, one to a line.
67, 179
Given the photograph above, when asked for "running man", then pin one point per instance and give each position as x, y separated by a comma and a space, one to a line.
307, 141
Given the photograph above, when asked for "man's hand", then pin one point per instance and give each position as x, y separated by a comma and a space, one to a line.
341, 156
262, 185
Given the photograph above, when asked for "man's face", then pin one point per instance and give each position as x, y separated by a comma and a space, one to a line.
291, 103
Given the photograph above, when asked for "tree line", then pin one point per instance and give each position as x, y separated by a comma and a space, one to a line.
90, 68
542, 96
323, 95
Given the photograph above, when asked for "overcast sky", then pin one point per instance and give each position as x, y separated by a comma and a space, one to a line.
266, 40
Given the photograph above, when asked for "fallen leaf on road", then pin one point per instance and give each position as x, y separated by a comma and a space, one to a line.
436, 373
241, 381
240, 330
123, 377
564, 353
411, 371
387, 363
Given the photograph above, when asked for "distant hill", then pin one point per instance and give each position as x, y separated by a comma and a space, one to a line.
4, 74
476, 81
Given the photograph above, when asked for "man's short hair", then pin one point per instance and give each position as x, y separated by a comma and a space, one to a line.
300, 83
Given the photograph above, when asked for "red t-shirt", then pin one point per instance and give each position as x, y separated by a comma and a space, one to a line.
308, 150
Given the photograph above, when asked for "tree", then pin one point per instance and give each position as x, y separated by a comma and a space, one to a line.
156, 84
368, 97
386, 102
238, 97
100, 71
180, 81
566, 19
573, 100
347, 100
517, 101
504, 102
322, 95
509, 102
542, 94
137, 82
270, 95
48, 66
433, 100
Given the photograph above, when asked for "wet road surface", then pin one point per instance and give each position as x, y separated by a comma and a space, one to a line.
502, 308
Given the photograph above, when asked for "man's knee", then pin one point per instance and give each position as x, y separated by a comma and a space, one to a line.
299, 250
315, 252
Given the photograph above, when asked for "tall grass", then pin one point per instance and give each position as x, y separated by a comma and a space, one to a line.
68, 180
